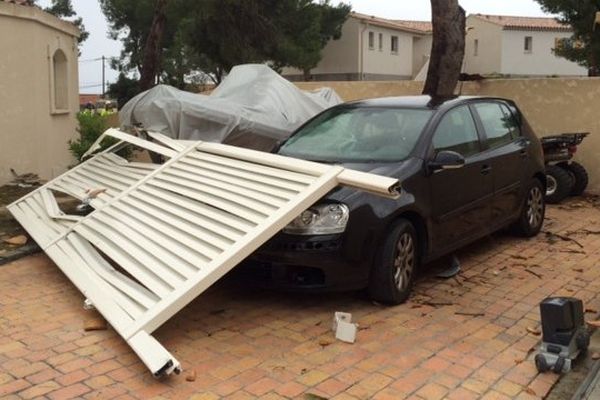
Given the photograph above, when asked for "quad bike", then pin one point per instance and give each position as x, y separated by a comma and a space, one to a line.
564, 177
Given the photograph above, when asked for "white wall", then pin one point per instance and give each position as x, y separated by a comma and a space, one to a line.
33, 136
383, 62
339, 56
421, 52
541, 61
489, 56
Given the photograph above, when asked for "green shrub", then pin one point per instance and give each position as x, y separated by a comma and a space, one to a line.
91, 126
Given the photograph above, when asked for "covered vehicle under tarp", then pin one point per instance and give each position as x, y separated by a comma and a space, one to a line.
253, 107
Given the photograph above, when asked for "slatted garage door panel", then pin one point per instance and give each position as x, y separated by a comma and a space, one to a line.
162, 234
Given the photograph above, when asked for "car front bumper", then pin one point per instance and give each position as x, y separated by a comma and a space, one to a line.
296, 262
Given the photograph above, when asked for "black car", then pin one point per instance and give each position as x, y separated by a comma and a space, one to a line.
468, 166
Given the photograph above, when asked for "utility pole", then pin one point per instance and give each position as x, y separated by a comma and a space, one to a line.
103, 80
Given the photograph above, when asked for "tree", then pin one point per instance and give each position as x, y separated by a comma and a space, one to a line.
123, 89
305, 31
152, 48
64, 9
584, 46
214, 35
448, 48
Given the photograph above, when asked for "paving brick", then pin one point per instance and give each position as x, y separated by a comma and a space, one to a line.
311, 378
72, 377
69, 392
266, 345
290, 389
261, 386
13, 387
432, 391
39, 390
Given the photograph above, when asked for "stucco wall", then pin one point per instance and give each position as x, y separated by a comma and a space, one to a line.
421, 52
540, 61
489, 52
384, 61
344, 60
339, 56
32, 138
550, 105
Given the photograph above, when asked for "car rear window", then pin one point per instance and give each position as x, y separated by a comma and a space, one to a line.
358, 134
499, 124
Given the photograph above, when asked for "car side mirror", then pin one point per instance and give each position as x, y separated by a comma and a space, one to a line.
447, 159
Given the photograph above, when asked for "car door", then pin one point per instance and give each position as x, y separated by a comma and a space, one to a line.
460, 197
507, 152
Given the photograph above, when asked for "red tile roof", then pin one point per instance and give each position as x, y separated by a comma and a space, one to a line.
406, 26
91, 98
508, 22
423, 26
20, 2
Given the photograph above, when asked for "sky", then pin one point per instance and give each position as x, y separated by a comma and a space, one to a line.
99, 44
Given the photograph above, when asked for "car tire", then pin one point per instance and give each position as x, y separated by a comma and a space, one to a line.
397, 261
559, 184
533, 211
579, 174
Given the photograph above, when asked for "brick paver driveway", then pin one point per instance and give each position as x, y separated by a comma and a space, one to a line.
458, 339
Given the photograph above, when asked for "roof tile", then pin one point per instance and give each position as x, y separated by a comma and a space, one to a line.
508, 22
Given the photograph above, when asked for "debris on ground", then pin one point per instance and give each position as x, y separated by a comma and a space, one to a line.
595, 356
553, 236
191, 376
18, 240
95, 324
470, 314
452, 270
534, 331
343, 327
539, 276
325, 342
26, 180
312, 396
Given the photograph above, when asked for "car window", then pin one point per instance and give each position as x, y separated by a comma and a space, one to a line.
355, 134
499, 124
457, 132
511, 122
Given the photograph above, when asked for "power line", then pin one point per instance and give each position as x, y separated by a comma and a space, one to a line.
97, 59
89, 86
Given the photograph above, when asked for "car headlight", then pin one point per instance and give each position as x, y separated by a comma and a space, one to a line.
320, 219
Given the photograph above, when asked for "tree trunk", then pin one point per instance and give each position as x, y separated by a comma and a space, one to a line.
448, 48
306, 74
151, 63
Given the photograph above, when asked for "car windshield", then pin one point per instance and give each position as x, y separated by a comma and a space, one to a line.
358, 134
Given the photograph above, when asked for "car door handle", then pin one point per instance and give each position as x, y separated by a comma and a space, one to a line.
486, 169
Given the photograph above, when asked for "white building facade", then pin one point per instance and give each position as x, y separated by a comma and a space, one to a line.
517, 47
372, 48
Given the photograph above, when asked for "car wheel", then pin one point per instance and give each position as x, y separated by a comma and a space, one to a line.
396, 263
579, 174
532, 215
559, 183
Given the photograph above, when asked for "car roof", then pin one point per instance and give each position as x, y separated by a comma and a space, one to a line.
421, 102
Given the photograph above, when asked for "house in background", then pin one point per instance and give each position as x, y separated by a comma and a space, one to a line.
38, 91
517, 47
372, 49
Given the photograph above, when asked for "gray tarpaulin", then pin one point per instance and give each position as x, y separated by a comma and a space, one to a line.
253, 107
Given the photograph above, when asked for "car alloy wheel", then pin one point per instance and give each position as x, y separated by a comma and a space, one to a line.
404, 262
535, 207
